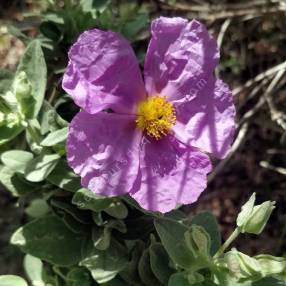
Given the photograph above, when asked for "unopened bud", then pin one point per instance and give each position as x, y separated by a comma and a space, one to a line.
198, 241
22, 86
246, 210
252, 219
23, 93
242, 266
271, 265
259, 217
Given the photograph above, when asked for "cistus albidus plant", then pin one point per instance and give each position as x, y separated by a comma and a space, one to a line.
103, 186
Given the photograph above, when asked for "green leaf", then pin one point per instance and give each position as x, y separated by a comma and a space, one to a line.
178, 279
177, 215
172, 236
87, 200
12, 280
49, 119
5, 179
55, 137
80, 216
145, 272
268, 282
10, 126
159, 261
16, 160
88, 5
78, 277
117, 210
222, 277
40, 167
132, 28
34, 65
49, 239
34, 269
209, 223
105, 265
63, 177
198, 241
15, 183
73, 218
37, 208
23, 92
130, 273
101, 237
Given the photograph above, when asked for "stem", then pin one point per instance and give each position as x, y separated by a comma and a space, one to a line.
58, 271
228, 242
34, 133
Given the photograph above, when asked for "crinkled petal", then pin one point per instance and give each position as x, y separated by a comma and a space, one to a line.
103, 72
170, 174
180, 54
103, 149
208, 120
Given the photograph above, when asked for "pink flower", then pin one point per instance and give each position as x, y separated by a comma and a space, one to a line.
151, 146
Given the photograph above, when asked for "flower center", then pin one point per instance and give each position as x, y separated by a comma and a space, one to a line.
156, 116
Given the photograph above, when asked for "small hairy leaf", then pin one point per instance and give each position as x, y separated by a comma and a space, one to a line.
49, 239
34, 65
172, 237
16, 160
12, 280
55, 137
40, 167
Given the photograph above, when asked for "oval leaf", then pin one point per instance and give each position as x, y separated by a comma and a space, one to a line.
49, 239
172, 236
34, 65
40, 167
12, 280
209, 223
16, 160
55, 137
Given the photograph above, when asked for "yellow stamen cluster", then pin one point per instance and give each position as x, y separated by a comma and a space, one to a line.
156, 116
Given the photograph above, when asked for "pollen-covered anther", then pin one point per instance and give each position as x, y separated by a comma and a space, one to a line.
156, 116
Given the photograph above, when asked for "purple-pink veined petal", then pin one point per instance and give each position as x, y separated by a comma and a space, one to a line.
179, 55
103, 72
208, 120
103, 149
170, 174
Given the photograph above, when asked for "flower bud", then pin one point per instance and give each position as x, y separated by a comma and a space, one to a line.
10, 120
22, 86
271, 265
252, 219
259, 217
198, 241
242, 266
23, 94
8, 102
246, 210
195, 278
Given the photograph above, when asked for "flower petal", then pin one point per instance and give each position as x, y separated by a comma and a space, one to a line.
103, 72
207, 121
170, 174
180, 54
103, 149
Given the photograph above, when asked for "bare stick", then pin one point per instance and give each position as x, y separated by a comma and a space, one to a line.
260, 77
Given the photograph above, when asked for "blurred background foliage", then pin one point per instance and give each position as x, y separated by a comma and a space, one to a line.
252, 38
